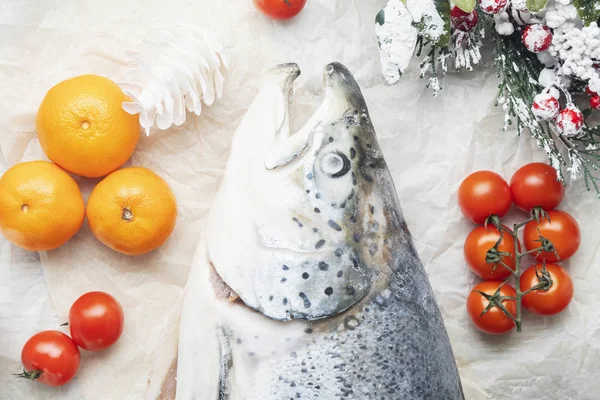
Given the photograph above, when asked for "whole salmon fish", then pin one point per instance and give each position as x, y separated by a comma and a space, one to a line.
307, 284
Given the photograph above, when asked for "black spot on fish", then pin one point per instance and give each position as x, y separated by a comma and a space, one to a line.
318, 195
352, 153
353, 218
320, 244
305, 275
353, 178
343, 205
251, 354
285, 301
338, 252
340, 273
285, 268
239, 341
367, 177
347, 126
270, 298
373, 249
371, 209
369, 146
351, 195
307, 191
350, 291
356, 237
329, 291
330, 139
308, 330
372, 165
309, 176
334, 225
283, 280
323, 266
356, 139
304, 299
293, 384
298, 222
315, 230
351, 120
317, 210
355, 261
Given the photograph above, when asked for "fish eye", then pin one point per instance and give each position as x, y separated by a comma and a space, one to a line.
335, 164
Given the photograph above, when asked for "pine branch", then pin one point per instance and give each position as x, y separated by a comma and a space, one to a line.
518, 71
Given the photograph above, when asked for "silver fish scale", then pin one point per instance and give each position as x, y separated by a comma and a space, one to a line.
369, 357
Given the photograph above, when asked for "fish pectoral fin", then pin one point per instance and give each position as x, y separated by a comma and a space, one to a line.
225, 363
286, 150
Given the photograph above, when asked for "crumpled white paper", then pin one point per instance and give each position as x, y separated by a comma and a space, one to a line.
430, 145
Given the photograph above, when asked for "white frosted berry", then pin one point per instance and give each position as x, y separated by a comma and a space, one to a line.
545, 107
537, 38
502, 24
569, 121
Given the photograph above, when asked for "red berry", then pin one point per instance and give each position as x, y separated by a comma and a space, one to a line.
589, 91
569, 121
463, 21
537, 38
492, 6
595, 102
545, 107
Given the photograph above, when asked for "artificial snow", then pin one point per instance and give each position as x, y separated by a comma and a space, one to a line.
545, 107
537, 38
398, 33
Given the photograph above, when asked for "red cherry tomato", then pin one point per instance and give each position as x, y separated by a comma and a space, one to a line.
562, 230
494, 321
280, 9
477, 245
50, 357
96, 321
482, 194
553, 300
536, 185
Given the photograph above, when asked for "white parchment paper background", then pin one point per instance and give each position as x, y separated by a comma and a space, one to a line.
430, 145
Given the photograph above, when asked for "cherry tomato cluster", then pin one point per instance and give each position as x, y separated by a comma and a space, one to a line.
493, 251
52, 358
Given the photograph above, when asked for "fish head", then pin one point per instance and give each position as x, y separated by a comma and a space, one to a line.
314, 225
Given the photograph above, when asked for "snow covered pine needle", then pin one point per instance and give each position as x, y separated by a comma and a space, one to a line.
547, 53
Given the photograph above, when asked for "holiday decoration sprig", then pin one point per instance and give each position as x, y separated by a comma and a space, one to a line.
547, 53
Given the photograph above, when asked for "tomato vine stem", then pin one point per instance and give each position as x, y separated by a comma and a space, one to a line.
33, 375
544, 279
